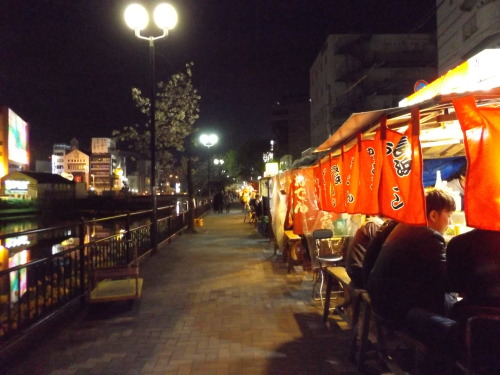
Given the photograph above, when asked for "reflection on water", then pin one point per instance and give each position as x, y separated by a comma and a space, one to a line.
19, 225
41, 245
25, 223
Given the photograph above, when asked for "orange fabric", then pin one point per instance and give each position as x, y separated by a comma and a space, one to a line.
286, 183
307, 216
337, 185
305, 209
350, 171
401, 194
481, 128
317, 185
326, 202
370, 169
299, 205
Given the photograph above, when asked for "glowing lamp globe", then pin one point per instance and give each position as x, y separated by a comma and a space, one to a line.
136, 17
165, 16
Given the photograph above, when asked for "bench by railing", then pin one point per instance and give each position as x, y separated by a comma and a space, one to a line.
32, 292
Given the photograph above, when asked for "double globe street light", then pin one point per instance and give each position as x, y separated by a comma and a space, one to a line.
219, 163
137, 18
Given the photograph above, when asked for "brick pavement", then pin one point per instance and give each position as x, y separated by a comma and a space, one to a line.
215, 302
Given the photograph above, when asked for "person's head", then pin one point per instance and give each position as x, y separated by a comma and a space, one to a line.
460, 175
439, 207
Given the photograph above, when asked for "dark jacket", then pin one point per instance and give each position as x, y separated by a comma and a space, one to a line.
356, 253
375, 246
473, 267
409, 273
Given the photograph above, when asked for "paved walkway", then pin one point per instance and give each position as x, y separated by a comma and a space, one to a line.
215, 302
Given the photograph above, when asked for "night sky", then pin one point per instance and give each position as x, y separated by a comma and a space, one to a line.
67, 66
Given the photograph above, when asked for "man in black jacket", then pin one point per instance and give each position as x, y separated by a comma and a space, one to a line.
357, 250
410, 270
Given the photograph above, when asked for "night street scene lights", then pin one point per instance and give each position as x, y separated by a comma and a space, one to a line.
209, 140
137, 18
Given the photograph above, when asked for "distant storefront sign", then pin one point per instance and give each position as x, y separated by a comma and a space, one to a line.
16, 187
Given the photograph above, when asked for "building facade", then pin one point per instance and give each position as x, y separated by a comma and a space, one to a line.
34, 185
58, 152
291, 126
357, 73
465, 28
76, 166
103, 162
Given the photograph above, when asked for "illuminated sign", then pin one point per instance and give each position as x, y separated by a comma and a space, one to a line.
476, 74
18, 139
267, 156
16, 186
271, 169
101, 145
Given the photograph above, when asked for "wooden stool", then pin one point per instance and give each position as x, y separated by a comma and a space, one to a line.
291, 254
360, 298
339, 275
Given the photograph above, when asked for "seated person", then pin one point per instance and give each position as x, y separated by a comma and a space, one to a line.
256, 206
473, 268
357, 249
374, 247
410, 269
457, 181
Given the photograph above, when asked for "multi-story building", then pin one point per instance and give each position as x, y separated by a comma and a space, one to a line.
291, 126
58, 152
357, 73
103, 163
465, 28
76, 165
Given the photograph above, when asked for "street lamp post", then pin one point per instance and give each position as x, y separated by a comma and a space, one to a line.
137, 18
208, 140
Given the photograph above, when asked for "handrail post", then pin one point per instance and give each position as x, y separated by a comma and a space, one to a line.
127, 226
81, 236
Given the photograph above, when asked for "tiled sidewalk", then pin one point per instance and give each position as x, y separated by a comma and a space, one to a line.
215, 302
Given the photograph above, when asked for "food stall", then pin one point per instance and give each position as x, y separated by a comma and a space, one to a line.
375, 163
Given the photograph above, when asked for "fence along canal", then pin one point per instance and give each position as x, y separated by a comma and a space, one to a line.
32, 292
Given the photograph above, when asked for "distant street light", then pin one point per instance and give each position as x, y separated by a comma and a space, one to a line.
209, 140
219, 163
137, 18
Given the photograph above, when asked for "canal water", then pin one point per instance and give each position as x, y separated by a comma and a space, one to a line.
29, 247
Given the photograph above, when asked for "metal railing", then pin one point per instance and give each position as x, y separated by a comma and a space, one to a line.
33, 291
